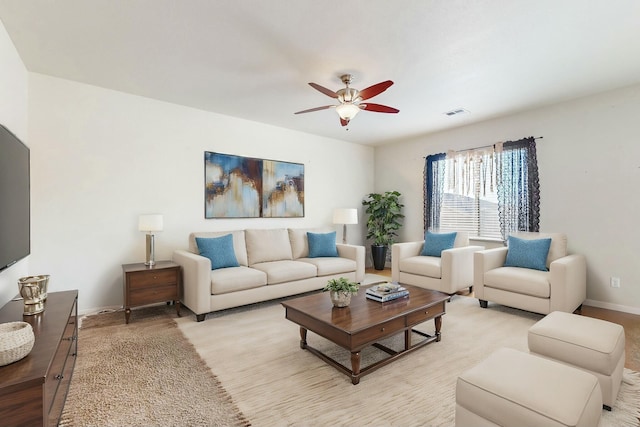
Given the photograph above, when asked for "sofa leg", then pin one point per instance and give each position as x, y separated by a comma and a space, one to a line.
471, 289
200, 317
578, 310
483, 303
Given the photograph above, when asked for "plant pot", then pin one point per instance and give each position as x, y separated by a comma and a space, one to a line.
340, 299
379, 254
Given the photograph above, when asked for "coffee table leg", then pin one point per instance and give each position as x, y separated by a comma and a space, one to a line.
355, 367
303, 338
407, 339
438, 321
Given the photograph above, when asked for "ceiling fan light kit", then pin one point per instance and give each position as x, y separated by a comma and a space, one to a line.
350, 99
347, 111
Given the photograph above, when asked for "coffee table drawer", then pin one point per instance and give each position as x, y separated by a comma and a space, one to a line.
376, 332
425, 314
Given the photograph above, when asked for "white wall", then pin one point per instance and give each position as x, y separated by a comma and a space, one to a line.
589, 163
13, 115
100, 158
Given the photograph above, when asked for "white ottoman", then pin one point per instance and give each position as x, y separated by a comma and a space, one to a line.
594, 345
514, 388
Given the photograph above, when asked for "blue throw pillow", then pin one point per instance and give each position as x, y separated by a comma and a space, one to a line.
219, 250
435, 243
322, 244
528, 253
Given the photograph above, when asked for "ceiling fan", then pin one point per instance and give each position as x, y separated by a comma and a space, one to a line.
351, 100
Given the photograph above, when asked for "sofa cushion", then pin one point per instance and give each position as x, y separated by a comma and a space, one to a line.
234, 279
327, 266
429, 266
527, 253
267, 245
239, 246
322, 244
519, 280
558, 248
299, 241
435, 243
286, 271
219, 250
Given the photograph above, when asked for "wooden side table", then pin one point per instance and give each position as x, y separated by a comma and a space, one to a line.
145, 284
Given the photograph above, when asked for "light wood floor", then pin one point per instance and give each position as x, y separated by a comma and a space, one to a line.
630, 323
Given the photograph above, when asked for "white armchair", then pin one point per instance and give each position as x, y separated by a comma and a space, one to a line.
449, 273
562, 288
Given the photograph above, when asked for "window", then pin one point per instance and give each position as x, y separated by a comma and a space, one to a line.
487, 192
470, 197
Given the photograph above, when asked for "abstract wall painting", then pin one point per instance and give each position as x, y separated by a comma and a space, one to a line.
282, 189
246, 187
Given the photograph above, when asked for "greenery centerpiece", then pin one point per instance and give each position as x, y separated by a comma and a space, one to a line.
385, 213
340, 291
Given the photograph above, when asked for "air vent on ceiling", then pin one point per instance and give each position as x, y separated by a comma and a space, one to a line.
456, 112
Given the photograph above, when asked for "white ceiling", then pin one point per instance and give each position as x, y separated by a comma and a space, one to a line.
253, 58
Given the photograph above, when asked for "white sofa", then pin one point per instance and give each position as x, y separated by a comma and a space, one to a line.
273, 263
449, 273
562, 288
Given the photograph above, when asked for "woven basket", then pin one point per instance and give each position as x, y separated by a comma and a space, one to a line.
16, 341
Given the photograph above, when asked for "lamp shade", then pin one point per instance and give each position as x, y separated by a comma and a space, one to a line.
347, 111
345, 216
150, 222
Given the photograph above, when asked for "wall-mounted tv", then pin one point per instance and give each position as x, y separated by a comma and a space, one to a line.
15, 219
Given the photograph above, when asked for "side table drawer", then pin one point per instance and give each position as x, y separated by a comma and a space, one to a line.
152, 278
151, 295
425, 314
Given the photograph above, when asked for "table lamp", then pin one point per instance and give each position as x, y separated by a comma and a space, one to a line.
149, 224
345, 216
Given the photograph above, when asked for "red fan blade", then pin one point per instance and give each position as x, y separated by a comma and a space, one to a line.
374, 90
378, 108
324, 90
314, 109
344, 122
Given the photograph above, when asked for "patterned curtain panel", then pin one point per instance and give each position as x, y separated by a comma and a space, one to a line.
433, 190
518, 186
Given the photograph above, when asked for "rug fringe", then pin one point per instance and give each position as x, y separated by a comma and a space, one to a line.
626, 410
629, 397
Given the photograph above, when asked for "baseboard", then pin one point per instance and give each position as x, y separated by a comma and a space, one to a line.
88, 311
611, 306
112, 308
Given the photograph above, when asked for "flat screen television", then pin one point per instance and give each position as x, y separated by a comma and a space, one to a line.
15, 215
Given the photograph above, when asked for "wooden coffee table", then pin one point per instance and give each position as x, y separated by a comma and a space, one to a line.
365, 322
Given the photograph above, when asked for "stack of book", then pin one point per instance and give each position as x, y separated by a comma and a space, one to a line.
385, 292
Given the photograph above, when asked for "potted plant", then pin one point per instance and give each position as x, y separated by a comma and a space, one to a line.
385, 213
340, 291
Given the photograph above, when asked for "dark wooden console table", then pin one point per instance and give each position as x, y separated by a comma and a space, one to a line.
33, 390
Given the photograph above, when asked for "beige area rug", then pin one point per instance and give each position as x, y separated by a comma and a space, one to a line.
256, 355
143, 374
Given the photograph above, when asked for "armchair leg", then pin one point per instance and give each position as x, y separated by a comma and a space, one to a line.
471, 289
578, 310
483, 303
200, 317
